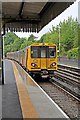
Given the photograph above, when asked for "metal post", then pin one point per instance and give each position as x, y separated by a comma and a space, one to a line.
2, 55
79, 35
59, 43
0, 59
0, 42
2, 63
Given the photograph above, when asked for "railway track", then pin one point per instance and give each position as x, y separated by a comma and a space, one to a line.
64, 89
66, 102
69, 79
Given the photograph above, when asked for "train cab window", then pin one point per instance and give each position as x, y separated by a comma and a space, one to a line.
34, 52
43, 53
52, 52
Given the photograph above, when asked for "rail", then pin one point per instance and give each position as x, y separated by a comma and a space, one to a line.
76, 69
61, 97
68, 77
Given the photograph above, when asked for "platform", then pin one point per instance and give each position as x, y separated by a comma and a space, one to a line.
23, 98
10, 100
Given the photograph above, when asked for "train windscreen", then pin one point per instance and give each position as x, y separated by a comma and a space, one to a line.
43, 52
52, 52
35, 52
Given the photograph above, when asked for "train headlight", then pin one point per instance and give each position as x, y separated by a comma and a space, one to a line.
53, 64
34, 65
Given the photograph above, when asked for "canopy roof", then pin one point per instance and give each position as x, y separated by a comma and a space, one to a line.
30, 16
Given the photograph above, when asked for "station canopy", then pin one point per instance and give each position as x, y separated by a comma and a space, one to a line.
30, 16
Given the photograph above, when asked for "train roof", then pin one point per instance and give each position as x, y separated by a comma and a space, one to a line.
34, 44
43, 44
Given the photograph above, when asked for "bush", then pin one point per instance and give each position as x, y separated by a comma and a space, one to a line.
73, 53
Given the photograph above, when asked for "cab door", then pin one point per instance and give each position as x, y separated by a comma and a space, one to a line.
43, 62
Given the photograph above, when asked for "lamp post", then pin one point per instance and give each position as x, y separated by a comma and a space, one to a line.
59, 43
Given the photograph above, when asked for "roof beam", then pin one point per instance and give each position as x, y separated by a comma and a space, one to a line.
21, 9
24, 20
46, 7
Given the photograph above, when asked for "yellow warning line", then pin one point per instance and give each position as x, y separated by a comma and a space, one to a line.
28, 110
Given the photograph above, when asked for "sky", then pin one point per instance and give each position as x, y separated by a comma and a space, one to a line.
70, 11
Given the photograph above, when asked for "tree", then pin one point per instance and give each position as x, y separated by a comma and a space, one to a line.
30, 40
9, 38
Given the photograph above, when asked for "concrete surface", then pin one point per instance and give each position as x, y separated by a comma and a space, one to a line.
10, 100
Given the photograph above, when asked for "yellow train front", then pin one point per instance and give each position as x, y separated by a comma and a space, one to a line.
38, 59
42, 59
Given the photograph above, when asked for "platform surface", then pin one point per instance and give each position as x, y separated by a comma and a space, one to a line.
43, 106
10, 100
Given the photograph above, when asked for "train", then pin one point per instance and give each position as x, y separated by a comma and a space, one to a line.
38, 59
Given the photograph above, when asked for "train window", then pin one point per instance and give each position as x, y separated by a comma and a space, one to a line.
52, 52
43, 53
34, 52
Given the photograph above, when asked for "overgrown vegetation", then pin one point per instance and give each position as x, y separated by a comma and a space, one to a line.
69, 42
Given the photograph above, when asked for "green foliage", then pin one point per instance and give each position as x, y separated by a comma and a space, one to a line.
10, 37
30, 40
79, 52
73, 53
13, 43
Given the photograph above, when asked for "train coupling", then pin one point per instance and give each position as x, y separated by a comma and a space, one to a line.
44, 72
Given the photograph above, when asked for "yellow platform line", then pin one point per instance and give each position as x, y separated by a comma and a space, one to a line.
28, 110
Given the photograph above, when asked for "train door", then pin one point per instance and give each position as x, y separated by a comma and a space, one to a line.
43, 60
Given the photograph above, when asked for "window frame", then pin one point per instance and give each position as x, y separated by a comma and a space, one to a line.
46, 48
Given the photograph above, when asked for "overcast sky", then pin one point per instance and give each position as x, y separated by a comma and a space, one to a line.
71, 11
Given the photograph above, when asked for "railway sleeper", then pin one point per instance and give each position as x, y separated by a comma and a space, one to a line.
62, 75
65, 88
69, 68
69, 74
69, 71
